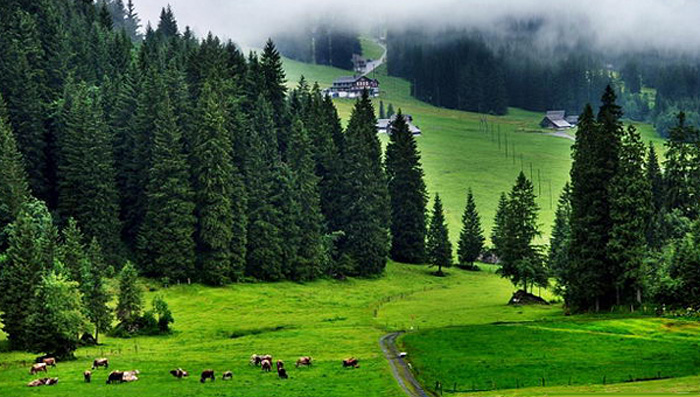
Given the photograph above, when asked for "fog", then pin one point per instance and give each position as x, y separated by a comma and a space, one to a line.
610, 25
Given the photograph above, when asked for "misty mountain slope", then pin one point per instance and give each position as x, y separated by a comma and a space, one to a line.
458, 152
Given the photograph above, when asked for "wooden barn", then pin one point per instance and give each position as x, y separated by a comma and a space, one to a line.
557, 120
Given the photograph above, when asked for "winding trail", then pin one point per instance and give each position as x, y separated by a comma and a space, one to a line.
399, 368
377, 62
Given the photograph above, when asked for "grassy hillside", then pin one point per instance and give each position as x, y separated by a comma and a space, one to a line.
458, 153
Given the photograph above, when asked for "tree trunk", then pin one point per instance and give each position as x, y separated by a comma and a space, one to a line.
639, 295
97, 334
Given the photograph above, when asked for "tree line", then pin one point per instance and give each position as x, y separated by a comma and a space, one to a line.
321, 43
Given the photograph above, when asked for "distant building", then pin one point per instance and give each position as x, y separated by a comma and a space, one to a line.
557, 120
352, 87
384, 125
359, 63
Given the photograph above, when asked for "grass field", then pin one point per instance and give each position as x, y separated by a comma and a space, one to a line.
329, 320
517, 355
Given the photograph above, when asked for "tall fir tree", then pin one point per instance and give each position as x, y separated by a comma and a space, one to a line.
408, 194
96, 296
73, 250
264, 242
438, 246
310, 219
129, 297
366, 207
678, 166
630, 210
274, 89
471, 238
166, 237
655, 178
30, 255
499, 224
87, 184
521, 261
167, 25
558, 258
14, 189
213, 170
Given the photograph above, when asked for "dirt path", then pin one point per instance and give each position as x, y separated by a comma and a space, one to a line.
377, 62
399, 368
561, 134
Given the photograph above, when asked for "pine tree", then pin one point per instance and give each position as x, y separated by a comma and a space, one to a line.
655, 178
438, 246
96, 297
274, 90
213, 171
499, 224
558, 258
264, 243
471, 238
382, 113
310, 219
167, 25
678, 166
408, 194
166, 237
87, 184
285, 199
130, 296
73, 250
55, 317
132, 24
29, 256
14, 190
630, 210
390, 111
366, 208
520, 259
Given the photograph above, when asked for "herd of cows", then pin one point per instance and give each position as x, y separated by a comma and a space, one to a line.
262, 361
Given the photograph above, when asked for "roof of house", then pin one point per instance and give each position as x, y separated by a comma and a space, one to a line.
350, 79
560, 123
556, 114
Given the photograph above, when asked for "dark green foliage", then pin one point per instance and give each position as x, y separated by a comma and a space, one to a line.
87, 187
14, 190
471, 238
678, 168
655, 179
73, 250
438, 246
321, 43
408, 194
166, 237
129, 297
382, 113
558, 259
96, 297
390, 111
213, 170
522, 262
55, 317
499, 223
30, 255
630, 211
264, 244
275, 91
165, 316
309, 218
366, 207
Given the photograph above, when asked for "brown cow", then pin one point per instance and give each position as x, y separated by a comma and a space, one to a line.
282, 373
36, 368
50, 361
179, 373
255, 360
351, 362
100, 362
43, 382
87, 375
305, 360
207, 374
266, 365
115, 376
228, 375
280, 364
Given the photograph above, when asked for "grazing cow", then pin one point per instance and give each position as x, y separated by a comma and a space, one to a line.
36, 368
207, 374
115, 376
282, 373
305, 360
280, 364
43, 382
179, 373
88, 376
130, 376
100, 362
351, 362
49, 361
228, 375
266, 366
255, 360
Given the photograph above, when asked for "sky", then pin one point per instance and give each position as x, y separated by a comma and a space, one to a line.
672, 25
